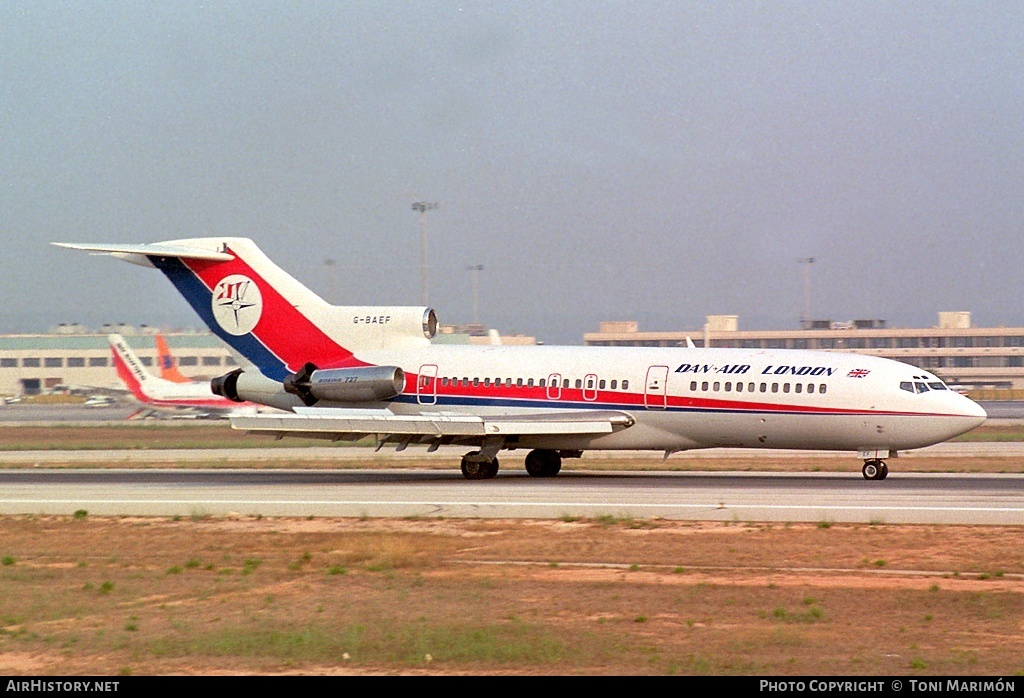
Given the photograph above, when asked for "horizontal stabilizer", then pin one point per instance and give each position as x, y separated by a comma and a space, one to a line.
139, 254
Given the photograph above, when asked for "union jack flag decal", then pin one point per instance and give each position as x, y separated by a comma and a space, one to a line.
857, 373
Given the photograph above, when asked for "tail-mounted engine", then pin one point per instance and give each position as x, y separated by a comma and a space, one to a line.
345, 384
310, 385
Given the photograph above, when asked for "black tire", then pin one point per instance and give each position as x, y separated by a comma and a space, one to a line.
543, 462
473, 469
491, 469
871, 470
535, 463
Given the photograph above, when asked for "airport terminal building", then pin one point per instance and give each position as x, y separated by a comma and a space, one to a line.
978, 358
73, 358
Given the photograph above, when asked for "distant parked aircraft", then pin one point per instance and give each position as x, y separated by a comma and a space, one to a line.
158, 392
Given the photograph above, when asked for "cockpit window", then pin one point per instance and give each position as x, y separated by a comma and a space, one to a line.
908, 386
921, 387
938, 385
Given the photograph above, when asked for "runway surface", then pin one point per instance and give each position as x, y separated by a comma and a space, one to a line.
814, 497
715, 496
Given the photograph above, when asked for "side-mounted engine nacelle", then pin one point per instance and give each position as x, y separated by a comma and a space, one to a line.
363, 384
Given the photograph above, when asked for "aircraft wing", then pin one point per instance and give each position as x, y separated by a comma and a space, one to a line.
435, 429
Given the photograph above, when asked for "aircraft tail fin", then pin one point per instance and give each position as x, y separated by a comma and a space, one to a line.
264, 313
131, 370
168, 369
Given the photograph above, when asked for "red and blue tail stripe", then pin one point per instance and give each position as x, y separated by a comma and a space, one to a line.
281, 342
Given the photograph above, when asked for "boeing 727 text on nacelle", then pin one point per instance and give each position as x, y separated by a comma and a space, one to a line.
344, 373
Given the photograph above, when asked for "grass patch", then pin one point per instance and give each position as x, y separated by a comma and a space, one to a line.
381, 642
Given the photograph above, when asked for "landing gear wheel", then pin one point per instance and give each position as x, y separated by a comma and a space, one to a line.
491, 468
473, 468
875, 470
543, 462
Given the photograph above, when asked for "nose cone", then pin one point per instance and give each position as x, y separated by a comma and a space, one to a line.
970, 415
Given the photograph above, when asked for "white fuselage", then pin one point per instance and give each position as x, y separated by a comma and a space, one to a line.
690, 398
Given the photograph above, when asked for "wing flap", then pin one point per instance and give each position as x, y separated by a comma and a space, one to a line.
343, 424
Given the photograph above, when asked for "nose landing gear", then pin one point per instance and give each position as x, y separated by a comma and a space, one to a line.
875, 469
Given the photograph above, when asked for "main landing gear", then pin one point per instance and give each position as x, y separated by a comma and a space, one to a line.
476, 466
540, 462
875, 469
543, 462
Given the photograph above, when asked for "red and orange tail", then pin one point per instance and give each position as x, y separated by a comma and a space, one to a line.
168, 370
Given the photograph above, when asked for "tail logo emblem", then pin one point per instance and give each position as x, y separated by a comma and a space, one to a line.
237, 304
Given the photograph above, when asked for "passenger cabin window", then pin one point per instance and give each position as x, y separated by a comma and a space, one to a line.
625, 385
579, 383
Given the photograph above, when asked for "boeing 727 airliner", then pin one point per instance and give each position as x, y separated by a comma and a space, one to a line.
348, 372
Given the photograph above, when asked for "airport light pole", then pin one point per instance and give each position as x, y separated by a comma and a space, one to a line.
805, 320
476, 269
422, 207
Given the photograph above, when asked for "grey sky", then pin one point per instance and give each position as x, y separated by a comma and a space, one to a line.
602, 160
